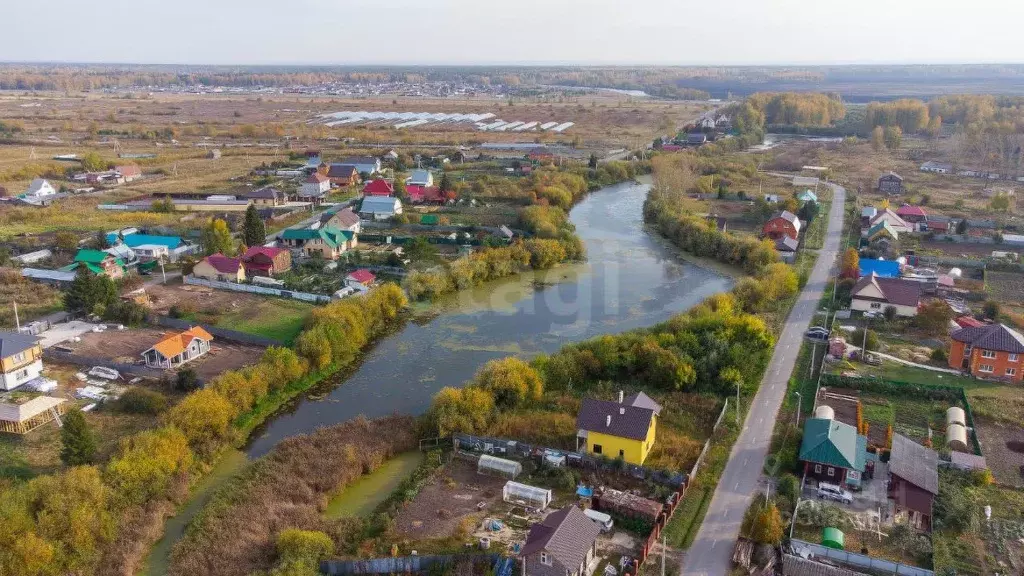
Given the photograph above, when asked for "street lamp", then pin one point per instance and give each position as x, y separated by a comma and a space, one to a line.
799, 402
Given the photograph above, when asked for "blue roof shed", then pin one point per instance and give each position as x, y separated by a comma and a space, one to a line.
881, 268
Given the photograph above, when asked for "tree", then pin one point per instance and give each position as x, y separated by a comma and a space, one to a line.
991, 309
877, 139
145, 463
767, 528
101, 241
889, 312
254, 231
850, 267
204, 416
893, 137
78, 442
934, 317
788, 487
186, 380
808, 212
400, 191
446, 183
511, 381
461, 410
592, 163
857, 339
216, 238
961, 226
65, 242
1000, 202
93, 162
90, 293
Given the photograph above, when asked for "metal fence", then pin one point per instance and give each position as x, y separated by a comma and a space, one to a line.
233, 335
252, 289
416, 564
523, 451
861, 561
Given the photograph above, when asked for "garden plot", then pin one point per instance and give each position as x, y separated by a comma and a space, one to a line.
909, 416
1003, 447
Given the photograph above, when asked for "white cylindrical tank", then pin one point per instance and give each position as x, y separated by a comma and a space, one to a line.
825, 412
956, 437
955, 415
956, 272
902, 260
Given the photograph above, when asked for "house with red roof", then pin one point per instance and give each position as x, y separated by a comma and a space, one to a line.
784, 223
379, 187
912, 214
361, 279
425, 194
266, 261
221, 268
129, 172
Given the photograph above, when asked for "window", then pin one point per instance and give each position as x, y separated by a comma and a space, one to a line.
831, 471
988, 354
984, 368
1011, 371
622, 453
817, 468
19, 357
21, 374
597, 448
545, 559
1014, 357
876, 306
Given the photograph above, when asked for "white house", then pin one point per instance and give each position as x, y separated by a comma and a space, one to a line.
936, 167
177, 349
316, 185
893, 219
380, 207
40, 188
874, 294
152, 251
423, 178
20, 359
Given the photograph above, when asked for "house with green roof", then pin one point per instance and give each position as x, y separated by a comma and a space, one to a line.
882, 230
98, 262
326, 242
833, 452
807, 196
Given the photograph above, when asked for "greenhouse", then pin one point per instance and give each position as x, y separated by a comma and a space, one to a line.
493, 465
526, 495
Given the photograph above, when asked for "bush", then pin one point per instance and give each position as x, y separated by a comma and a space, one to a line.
857, 339
138, 400
186, 380
303, 545
939, 355
203, 416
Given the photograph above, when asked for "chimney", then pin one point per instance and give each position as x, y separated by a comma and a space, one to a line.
608, 422
622, 411
620, 397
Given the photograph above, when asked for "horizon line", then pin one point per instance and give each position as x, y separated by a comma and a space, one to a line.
523, 64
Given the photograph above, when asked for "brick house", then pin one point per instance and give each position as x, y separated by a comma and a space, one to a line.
563, 544
221, 268
891, 184
833, 452
784, 223
913, 481
266, 261
991, 351
342, 174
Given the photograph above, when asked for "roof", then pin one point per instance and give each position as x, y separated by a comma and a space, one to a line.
614, 419
868, 212
797, 566
223, 264
266, 192
834, 443
807, 195
997, 337
136, 240
379, 187
883, 226
788, 217
566, 534
892, 217
267, 251
383, 204
21, 412
420, 176
342, 171
896, 291
880, 268
914, 463
362, 276
328, 234
969, 461
424, 193
91, 256
908, 210
786, 244
175, 344
937, 165
641, 400
11, 343
698, 138
359, 160
129, 170
968, 322
317, 178
344, 217
892, 175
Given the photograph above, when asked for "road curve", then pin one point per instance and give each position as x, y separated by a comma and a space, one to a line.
711, 552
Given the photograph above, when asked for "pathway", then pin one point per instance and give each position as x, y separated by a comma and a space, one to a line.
711, 552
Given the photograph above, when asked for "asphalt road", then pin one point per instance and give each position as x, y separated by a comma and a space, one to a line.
711, 552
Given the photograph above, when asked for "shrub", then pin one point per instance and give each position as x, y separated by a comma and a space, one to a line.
511, 381
186, 380
857, 339
203, 416
303, 545
138, 400
146, 462
939, 355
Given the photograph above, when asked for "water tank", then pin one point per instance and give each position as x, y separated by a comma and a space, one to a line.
956, 437
956, 272
902, 260
825, 412
955, 415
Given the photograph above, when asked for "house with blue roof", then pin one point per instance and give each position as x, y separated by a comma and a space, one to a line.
151, 245
880, 268
807, 196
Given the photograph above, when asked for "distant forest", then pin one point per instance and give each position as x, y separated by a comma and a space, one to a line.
856, 84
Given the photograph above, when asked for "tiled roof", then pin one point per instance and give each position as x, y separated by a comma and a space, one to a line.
614, 419
11, 343
832, 442
997, 337
342, 171
268, 251
223, 264
797, 566
908, 210
363, 276
567, 534
379, 187
896, 290
317, 178
175, 344
914, 463
344, 217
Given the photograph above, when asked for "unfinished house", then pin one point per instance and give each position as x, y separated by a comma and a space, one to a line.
24, 417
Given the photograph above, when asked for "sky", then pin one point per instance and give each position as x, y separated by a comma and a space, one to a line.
462, 32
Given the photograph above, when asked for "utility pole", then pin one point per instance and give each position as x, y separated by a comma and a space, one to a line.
662, 554
162, 271
737, 404
814, 352
799, 403
17, 322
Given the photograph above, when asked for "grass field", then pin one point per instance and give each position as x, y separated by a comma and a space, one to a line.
277, 318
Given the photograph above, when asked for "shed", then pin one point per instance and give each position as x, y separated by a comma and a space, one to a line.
24, 417
493, 465
526, 495
832, 538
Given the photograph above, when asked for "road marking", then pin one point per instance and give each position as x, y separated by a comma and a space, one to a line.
737, 487
725, 514
713, 544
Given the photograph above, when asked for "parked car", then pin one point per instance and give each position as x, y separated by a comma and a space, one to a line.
835, 493
817, 333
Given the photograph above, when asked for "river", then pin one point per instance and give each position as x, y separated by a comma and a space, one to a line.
630, 280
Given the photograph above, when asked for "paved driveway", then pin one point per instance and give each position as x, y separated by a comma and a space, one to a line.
711, 552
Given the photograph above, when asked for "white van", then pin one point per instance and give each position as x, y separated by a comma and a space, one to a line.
833, 492
603, 520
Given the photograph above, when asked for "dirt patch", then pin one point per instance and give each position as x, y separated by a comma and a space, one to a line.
199, 298
455, 494
1003, 447
128, 345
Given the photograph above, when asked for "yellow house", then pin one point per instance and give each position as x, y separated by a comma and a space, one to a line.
21, 359
220, 267
625, 429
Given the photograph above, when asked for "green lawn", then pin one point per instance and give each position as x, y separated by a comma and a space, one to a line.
814, 236
902, 373
277, 318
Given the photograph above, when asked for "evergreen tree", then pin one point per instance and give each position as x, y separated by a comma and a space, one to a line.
81, 294
593, 161
254, 231
446, 183
78, 443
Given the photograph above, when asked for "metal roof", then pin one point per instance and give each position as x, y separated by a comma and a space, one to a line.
914, 463
12, 343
